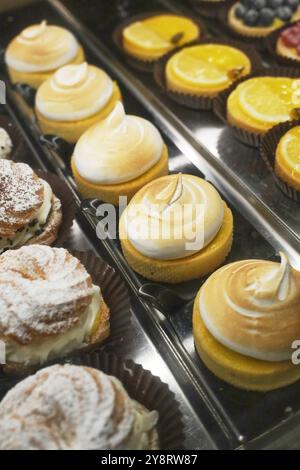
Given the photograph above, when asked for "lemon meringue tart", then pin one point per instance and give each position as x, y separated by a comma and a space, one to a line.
150, 38
73, 99
287, 158
259, 103
118, 156
175, 229
245, 321
49, 305
29, 210
38, 51
69, 407
205, 69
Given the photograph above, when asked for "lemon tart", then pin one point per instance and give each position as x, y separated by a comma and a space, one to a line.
150, 38
38, 51
245, 320
73, 99
118, 156
205, 69
175, 229
258, 18
259, 103
287, 158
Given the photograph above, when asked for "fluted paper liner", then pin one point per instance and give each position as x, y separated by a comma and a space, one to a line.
220, 103
204, 103
68, 205
16, 137
206, 8
268, 152
115, 295
271, 43
145, 66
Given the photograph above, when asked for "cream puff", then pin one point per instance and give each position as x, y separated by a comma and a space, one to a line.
245, 321
67, 407
6, 145
73, 99
175, 229
38, 51
118, 156
49, 305
29, 210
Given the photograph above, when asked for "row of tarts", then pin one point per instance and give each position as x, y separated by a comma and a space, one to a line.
245, 314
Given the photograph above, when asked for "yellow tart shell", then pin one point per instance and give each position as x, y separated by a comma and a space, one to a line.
71, 131
110, 192
184, 269
238, 370
37, 78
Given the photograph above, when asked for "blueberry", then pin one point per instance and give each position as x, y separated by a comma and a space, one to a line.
266, 17
274, 3
251, 17
259, 4
284, 13
240, 11
292, 4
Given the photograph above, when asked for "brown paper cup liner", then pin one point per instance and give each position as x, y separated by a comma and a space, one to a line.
141, 65
16, 137
68, 205
115, 295
141, 386
268, 152
203, 103
220, 103
208, 9
271, 42
255, 41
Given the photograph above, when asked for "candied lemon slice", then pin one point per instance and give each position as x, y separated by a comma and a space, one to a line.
143, 36
289, 150
267, 99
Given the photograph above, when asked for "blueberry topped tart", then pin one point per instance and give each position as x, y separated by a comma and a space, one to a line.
261, 17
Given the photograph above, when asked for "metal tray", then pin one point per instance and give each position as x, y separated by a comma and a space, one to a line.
233, 418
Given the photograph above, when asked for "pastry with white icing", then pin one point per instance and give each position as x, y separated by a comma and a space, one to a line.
38, 51
30, 212
246, 319
118, 156
73, 99
74, 408
49, 305
176, 228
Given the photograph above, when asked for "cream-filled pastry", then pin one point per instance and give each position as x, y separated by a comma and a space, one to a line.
6, 145
74, 408
176, 228
246, 319
73, 99
29, 210
49, 305
39, 50
118, 156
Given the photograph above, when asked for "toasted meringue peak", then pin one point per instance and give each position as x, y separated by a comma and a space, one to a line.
41, 48
117, 149
174, 217
74, 92
252, 307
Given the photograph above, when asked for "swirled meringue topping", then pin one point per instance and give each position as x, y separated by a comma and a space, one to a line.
73, 408
118, 149
174, 217
41, 48
74, 92
252, 307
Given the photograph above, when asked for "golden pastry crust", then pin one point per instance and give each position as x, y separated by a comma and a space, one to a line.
110, 192
35, 79
184, 269
71, 131
238, 370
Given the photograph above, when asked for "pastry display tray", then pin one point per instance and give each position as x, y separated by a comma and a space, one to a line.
216, 414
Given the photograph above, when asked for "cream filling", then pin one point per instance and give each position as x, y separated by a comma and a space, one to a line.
143, 429
34, 226
6, 144
45, 348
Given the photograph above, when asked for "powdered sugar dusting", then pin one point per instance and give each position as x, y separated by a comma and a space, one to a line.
43, 291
